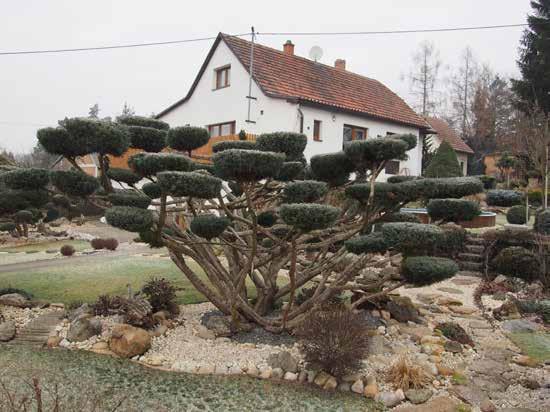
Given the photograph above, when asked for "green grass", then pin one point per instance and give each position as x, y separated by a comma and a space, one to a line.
534, 345
79, 245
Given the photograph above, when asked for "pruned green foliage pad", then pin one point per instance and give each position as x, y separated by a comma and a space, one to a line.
187, 138
153, 190
504, 198
425, 270
142, 121
129, 218
209, 226
332, 168
365, 154
290, 171
74, 183
147, 138
193, 184
453, 210
247, 165
371, 243
149, 164
130, 198
26, 179
308, 216
304, 191
291, 144
234, 144
123, 175
412, 238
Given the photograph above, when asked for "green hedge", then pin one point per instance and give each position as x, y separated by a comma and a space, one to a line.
516, 215
453, 210
234, 144
453, 241
542, 222
401, 179
187, 138
74, 183
129, 198
147, 138
442, 188
143, 122
371, 243
291, 144
518, 262
247, 165
129, 218
26, 179
412, 238
333, 168
149, 164
308, 216
153, 190
426, 270
304, 191
192, 184
209, 226
123, 175
504, 198
290, 171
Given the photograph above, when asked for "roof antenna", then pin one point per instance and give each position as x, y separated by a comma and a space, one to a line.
316, 53
251, 71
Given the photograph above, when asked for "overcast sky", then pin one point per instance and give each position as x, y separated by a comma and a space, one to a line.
38, 90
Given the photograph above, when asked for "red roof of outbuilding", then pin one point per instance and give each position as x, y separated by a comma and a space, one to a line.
446, 133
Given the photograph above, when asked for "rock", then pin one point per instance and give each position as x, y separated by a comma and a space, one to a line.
358, 386
391, 271
403, 310
390, 399
321, 378
477, 324
159, 330
160, 316
277, 373
435, 340
100, 345
302, 377
526, 361
385, 315
128, 341
84, 309
221, 370
490, 384
53, 341
464, 281
371, 390
331, 384
487, 406
520, 325
439, 404
500, 279
444, 370
453, 347
219, 325
83, 328
508, 310
415, 332
378, 346
462, 310
57, 305
352, 377
431, 349
418, 396
448, 301
155, 360
289, 376
14, 299
488, 367
428, 298
234, 370
453, 291
530, 383
283, 360
469, 394
7, 330
428, 367
344, 387
206, 370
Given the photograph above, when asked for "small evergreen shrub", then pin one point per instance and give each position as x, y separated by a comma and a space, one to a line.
26, 179
129, 218
371, 243
208, 167
412, 238
332, 168
129, 198
453, 241
304, 191
24, 216
489, 182
107, 305
516, 261
308, 216
335, 339
187, 138
290, 171
267, 218
209, 226
76, 184
97, 243
516, 215
291, 144
149, 164
234, 144
153, 190
455, 332
110, 244
67, 250
193, 184
425, 270
51, 215
444, 163
147, 138
542, 222
503, 198
143, 122
161, 294
453, 210
123, 175
247, 165
97, 136
385, 194
7, 226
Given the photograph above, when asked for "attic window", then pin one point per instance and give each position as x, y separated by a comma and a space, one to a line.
221, 77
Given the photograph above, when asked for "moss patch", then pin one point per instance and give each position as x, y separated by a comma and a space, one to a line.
535, 345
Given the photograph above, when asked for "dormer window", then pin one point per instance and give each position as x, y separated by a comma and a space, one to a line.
221, 77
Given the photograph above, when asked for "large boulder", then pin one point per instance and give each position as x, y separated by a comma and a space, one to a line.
128, 341
83, 329
219, 325
403, 310
14, 299
283, 360
84, 309
7, 331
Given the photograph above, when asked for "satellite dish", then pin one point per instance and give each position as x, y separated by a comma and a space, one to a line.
316, 53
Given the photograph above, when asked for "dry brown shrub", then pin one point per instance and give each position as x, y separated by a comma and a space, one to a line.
403, 374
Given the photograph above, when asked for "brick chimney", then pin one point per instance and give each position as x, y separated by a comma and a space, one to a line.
340, 64
288, 48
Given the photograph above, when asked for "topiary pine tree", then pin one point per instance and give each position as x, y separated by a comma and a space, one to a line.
444, 163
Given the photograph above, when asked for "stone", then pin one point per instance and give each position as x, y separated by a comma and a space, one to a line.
435, 340
490, 384
385, 315
428, 298
160, 316
444, 370
428, 367
403, 310
415, 332
371, 390
448, 301
234, 370
352, 377
265, 372
159, 330
500, 279
53, 341
431, 349
344, 387
390, 399
83, 328
311, 375
128, 341
417, 396
469, 393
453, 291
378, 346
100, 345
526, 361
289, 376
302, 376
331, 384
221, 370
439, 404
462, 310
520, 325
530, 383
219, 325
277, 373
15, 300
508, 310
488, 367
7, 331
253, 371
464, 281
155, 360
283, 360
321, 378
453, 347
84, 309
477, 324
487, 406
358, 386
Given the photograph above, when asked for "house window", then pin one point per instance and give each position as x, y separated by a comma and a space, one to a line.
317, 130
352, 133
392, 167
222, 77
462, 167
222, 129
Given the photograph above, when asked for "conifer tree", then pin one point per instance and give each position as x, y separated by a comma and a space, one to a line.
444, 163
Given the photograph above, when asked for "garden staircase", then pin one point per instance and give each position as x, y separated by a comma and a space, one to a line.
471, 260
37, 331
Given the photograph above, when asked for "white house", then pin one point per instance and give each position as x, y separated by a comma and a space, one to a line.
330, 105
444, 132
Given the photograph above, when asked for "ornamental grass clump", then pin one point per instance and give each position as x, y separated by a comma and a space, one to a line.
405, 375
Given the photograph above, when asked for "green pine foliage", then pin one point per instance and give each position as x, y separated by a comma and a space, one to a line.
247, 165
72, 183
426, 270
444, 163
209, 226
304, 191
308, 216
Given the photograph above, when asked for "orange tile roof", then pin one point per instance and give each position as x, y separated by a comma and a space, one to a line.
293, 77
447, 133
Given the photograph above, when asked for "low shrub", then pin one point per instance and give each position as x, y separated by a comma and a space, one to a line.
129, 198
247, 165
97, 243
332, 168
234, 144
454, 331
453, 210
425, 270
335, 339
504, 198
516, 215
149, 164
412, 238
161, 294
153, 190
536, 197
67, 250
147, 138
291, 144
290, 171
187, 138
542, 222
110, 243
74, 183
24, 216
123, 175
107, 305
518, 262
404, 374
194, 184
26, 179
7, 226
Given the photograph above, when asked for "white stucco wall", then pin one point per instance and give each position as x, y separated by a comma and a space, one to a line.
462, 157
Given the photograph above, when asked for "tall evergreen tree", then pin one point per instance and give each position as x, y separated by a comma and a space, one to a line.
444, 163
534, 62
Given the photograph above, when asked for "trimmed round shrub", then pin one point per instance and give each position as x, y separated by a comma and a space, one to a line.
67, 250
97, 243
412, 238
61, 201
308, 216
290, 171
74, 183
371, 243
26, 179
363, 154
123, 175
304, 191
110, 243
426, 270
57, 140
187, 138
516, 215
333, 168
267, 218
401, 179
518, 262
129, 218
147, 138
291, 144
192, 184
453, 210
24, 216
208, 167
129, 198
153, 190
209, 226
143, 121
234, 144
504, 198
247, 165
99, 136
13, 200
542, 222
149, 164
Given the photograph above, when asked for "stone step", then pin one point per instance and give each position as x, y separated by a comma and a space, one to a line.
36, 332
475, 241
470, 266
479, 249
470, 257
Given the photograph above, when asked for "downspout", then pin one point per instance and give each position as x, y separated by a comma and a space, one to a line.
301, 116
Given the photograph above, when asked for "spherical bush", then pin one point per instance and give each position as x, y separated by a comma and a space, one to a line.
426, 270
149, 164
411, 238
542, 222
267, 218
143, 122
442, 188
290, 171
187, 138
129, 198
333, 168
234, 144
504, 198
291, 144
26, 179
410, 139
67, 250
13, 200
97, 243
247, 165
153, 190
129, 218
304, 191
516, 215
453, 210
372, 243
192, 184
209, 226
74, 183
110, 243
308, 216
147, 138
453, 241
518, 262
123, 175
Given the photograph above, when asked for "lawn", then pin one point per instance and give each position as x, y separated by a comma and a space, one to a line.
79, 245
